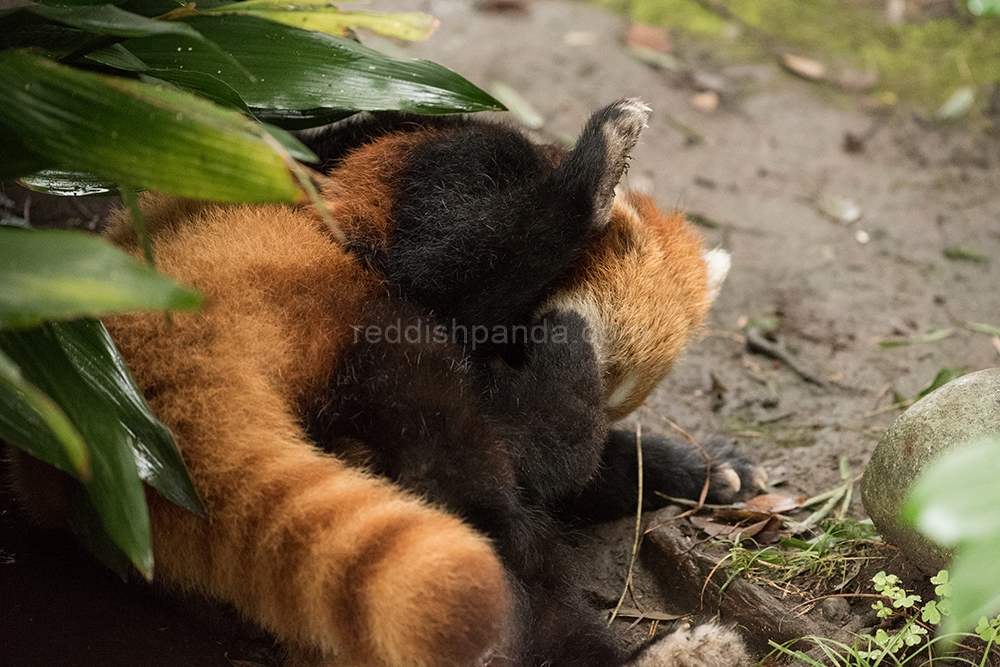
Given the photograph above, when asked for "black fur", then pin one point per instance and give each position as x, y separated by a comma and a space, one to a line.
672, 468
509, 433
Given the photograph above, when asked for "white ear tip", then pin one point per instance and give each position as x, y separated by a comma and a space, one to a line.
717, 262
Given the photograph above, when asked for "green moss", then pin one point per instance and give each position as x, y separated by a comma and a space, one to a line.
682, 13
923, 63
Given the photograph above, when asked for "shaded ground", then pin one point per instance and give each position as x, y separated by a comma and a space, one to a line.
765, 156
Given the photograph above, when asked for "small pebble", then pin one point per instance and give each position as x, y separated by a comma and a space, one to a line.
835, 610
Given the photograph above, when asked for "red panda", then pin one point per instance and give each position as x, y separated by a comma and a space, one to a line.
391, 435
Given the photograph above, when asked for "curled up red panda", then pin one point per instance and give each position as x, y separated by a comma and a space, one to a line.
393, 435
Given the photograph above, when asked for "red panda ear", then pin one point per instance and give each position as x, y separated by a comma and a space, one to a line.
600, 157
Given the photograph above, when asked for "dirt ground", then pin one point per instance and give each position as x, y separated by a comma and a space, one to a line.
753, 170
758, 169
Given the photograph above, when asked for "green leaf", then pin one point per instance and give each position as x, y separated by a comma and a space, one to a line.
205, 85
979, 327
984, 7
68, 184
930, 337
976, 581
86, 523
293, 119
943, 589
294, 147
129, 132
961, 255
957, 498
105, 19
60, 274
76, 3
218, 91
956, 502
20, 28
930, 613
957, 105
943, 377
92, 353
311, 72
31, 421
114, 487
17, 159
321, 16
527, 115
118, 57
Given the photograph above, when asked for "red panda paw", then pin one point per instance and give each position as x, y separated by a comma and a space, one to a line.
735, 475
708, 645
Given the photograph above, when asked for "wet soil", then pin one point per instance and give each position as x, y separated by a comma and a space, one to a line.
752, 171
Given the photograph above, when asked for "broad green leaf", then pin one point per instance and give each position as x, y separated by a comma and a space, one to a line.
975, 580
17, 159
321, 16
223, 94
76, 3
60, 274
32, 421
68, 184
311, 72
87, 524
294, 147
957, 498
110, 21
117, 56
93, 354
294, 119
150, 137
105, 19
155, 8
198, 83
114, 487
23, 29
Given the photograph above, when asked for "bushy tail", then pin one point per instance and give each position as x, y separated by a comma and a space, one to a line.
324, 555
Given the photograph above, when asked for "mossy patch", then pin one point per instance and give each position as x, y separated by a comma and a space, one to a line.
924, 63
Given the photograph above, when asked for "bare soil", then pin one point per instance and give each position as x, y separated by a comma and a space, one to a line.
752, 170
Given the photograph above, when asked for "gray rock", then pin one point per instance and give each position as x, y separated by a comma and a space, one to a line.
962, 411
835, 610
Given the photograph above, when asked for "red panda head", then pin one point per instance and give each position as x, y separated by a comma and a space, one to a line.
644, 286
643, 282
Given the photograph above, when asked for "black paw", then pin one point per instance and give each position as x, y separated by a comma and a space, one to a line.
734, 475
678, 469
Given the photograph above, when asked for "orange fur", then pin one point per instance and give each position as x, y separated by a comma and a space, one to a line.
318, 552
361, 192
643, 288
345, 565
